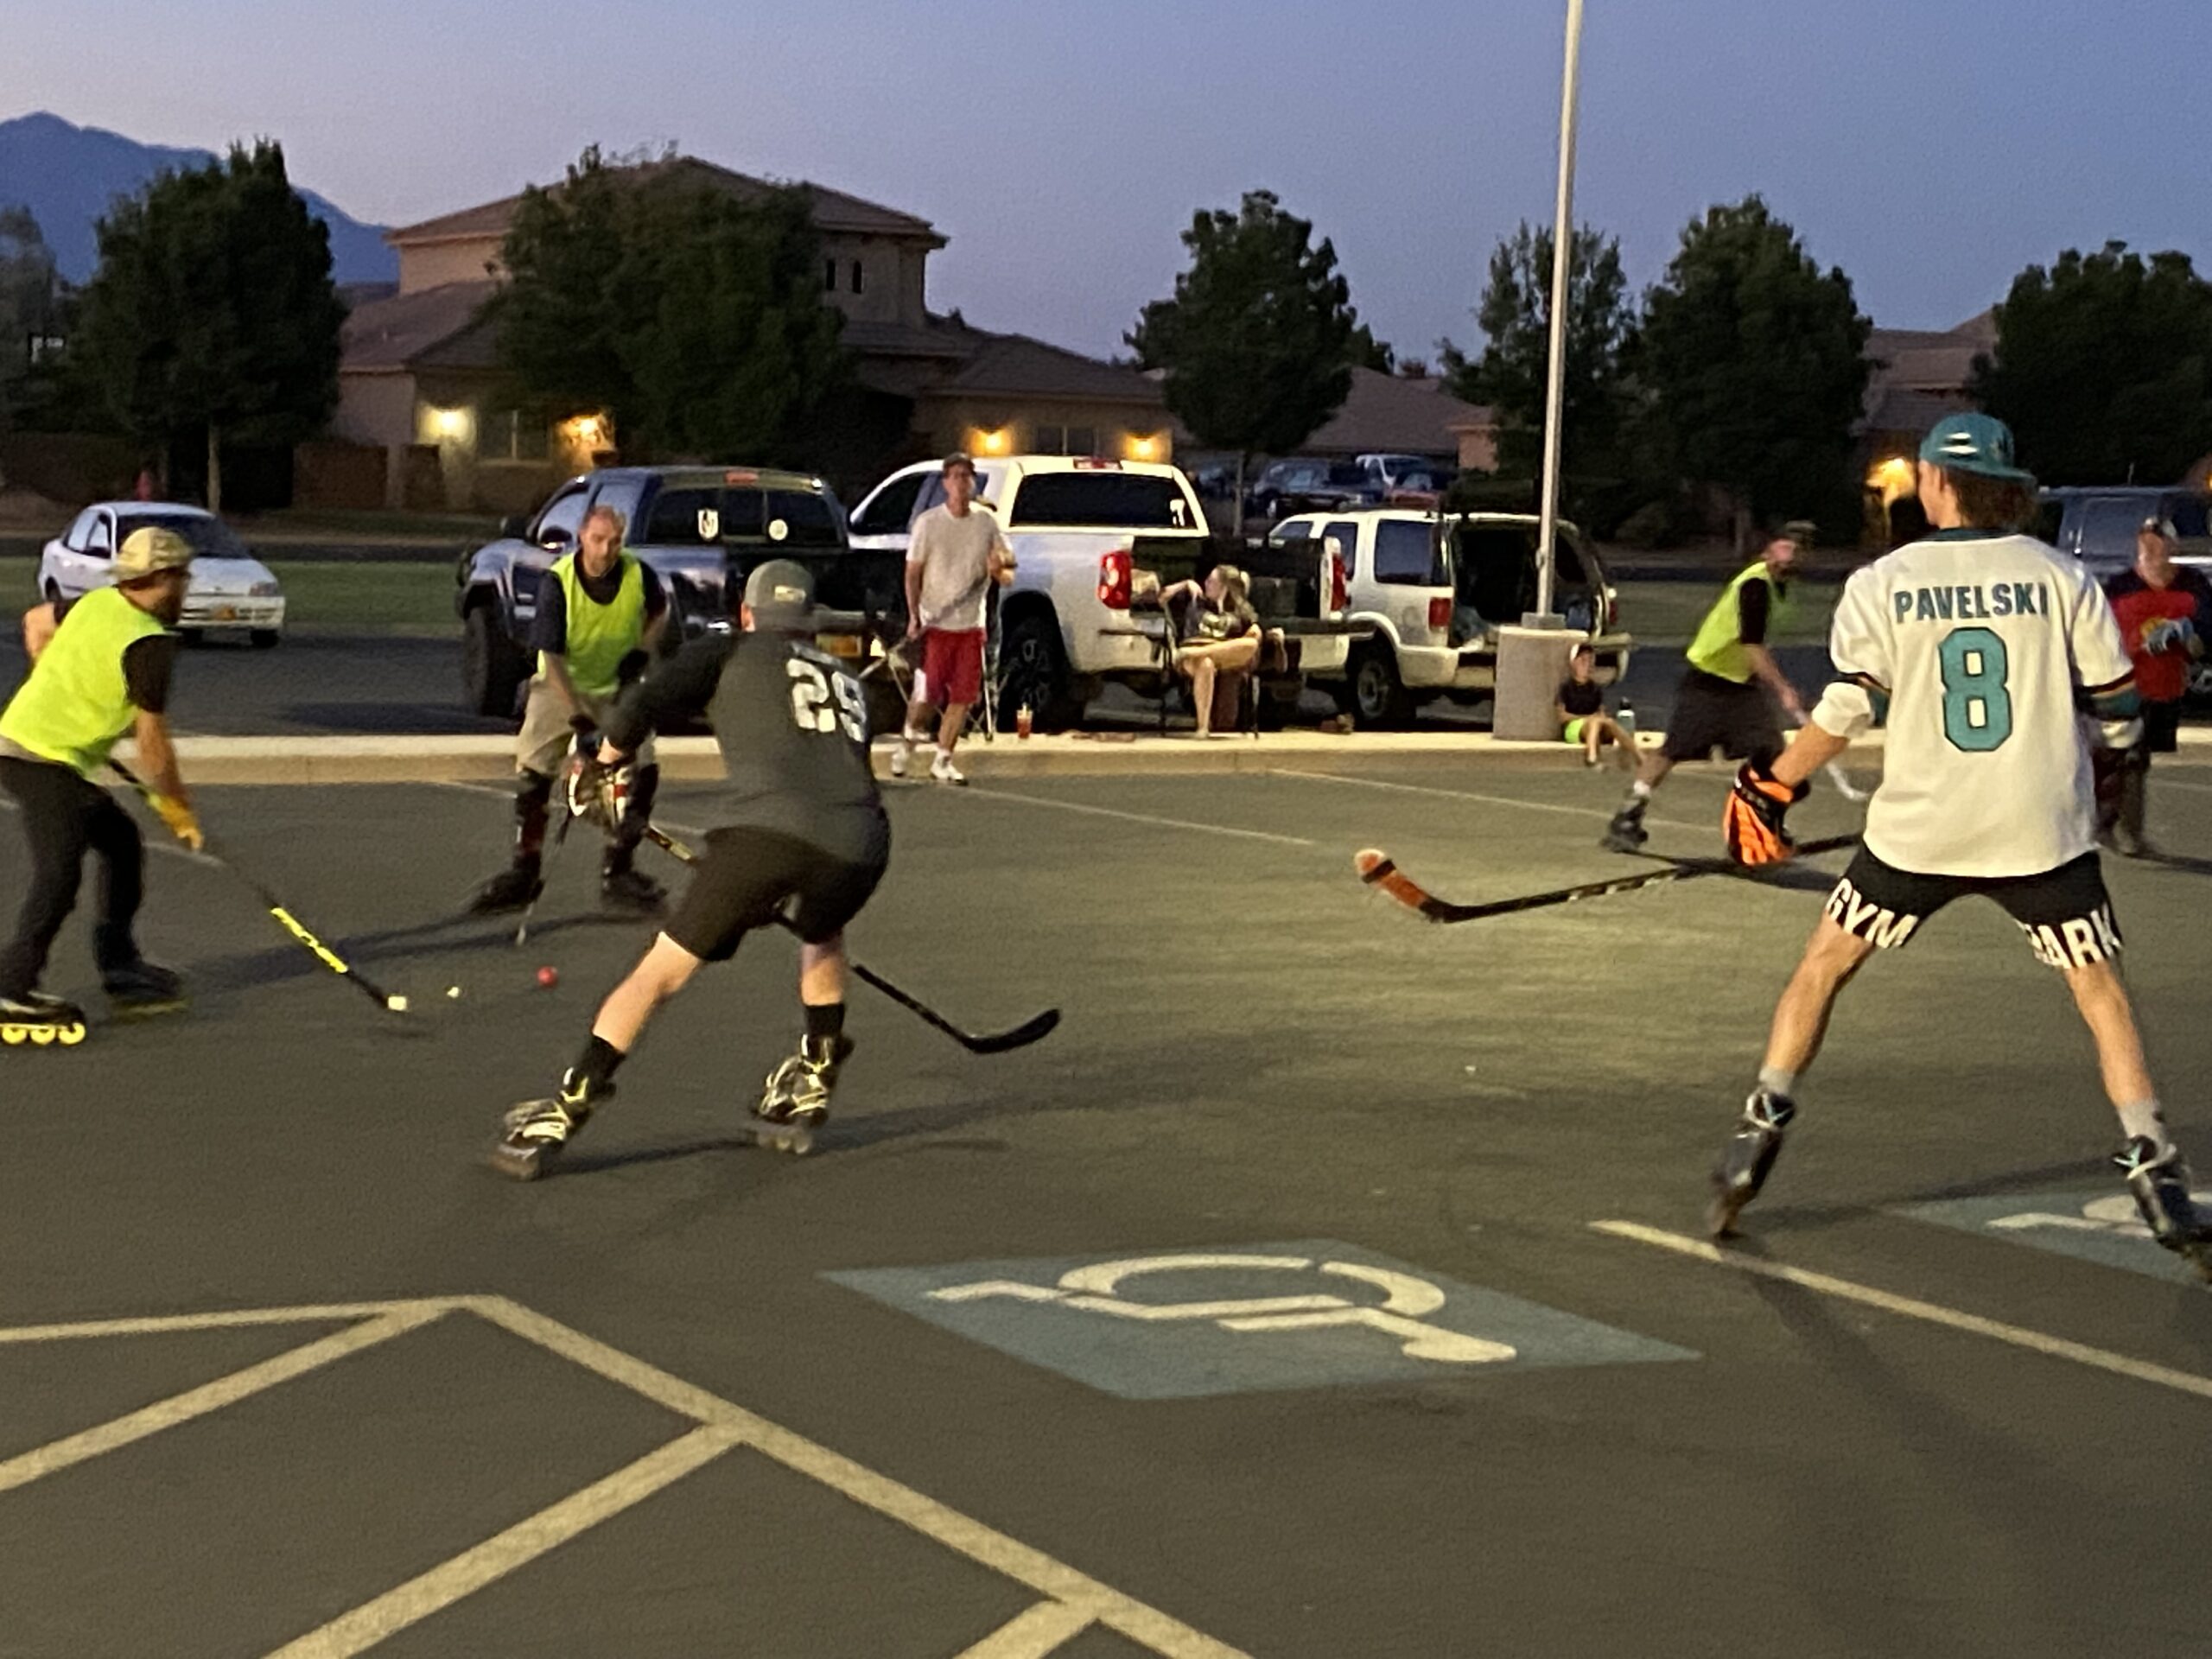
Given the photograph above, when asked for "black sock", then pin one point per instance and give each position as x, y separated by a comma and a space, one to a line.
825, 1021
599, 1059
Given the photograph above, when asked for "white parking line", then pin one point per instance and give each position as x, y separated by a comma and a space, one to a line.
1143, 818
1033, 1633
213, 1396
524, 1542
1474, 795
1072, 1600
1934, 1313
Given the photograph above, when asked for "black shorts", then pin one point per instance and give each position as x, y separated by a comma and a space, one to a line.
1711, 713
2065, 913
747, 877
2161, 727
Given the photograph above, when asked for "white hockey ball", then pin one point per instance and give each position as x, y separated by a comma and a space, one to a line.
397, 1004
453, 991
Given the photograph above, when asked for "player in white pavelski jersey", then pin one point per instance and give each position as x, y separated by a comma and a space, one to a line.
1994, 659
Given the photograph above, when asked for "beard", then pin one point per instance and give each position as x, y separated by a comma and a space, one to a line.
168, 605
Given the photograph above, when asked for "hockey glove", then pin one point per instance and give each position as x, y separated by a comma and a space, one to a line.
183, 822
600, 794
1751, 820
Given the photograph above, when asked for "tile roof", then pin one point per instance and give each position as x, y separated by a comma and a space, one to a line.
433, 327
833, 209
1388, 412
1016, 366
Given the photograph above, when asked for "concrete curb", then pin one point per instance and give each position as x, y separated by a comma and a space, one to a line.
218, 759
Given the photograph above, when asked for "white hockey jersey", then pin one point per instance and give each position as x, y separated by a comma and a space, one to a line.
1980, 641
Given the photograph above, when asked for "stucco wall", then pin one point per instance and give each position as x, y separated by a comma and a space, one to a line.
434, 264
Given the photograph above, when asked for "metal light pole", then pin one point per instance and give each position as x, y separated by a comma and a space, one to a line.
1562, 253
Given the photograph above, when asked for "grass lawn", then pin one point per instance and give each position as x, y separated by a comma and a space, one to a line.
1668, 612
345, 598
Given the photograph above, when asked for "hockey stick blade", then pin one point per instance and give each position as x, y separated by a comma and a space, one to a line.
1034, 1029
282, 916
1378, 870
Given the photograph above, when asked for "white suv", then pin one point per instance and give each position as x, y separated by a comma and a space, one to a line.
1080, 526
1435, 589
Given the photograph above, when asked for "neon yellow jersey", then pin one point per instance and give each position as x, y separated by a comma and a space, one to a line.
76, 704
600, 636
1718, 648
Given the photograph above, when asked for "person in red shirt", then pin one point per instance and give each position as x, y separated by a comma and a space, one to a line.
2164, 610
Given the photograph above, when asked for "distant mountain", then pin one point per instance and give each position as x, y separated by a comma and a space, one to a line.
67, 175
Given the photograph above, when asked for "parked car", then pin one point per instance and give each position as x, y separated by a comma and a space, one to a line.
698, 529
230, 589
2098, 526
1080, 529
1388, 475
1294, 486
1435, 589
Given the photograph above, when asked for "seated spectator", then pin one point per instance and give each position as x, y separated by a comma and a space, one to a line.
1218, 635
1580, 705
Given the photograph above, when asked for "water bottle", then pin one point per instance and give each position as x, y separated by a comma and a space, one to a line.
1626, 720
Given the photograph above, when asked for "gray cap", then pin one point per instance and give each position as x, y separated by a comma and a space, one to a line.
781, 595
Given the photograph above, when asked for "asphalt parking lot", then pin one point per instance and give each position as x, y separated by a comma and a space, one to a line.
1264, 1308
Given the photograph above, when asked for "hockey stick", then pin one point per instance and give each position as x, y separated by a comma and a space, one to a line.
1377, 870
291, 924
1034, 1029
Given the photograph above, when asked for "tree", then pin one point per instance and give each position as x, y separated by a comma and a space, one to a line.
693, 319
1756, 362
29, 303
213, 313
1258, 340
1369, 353
1512, 373
2103, 367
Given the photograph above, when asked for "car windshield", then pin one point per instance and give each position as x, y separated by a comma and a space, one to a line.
2189, 514
210, 538
708, 515
1122, 500
1347, 472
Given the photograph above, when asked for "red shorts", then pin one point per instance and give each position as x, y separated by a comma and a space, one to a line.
952, 667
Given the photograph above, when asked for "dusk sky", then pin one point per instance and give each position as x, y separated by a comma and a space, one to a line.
1931, 151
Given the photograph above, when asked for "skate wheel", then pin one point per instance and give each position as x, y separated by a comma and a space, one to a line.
42, 1035
12, 1035
69, 1036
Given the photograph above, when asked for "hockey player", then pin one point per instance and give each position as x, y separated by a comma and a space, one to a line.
2164, 609
600, 614
801, 825
1730, 688
1985, 645
101, 669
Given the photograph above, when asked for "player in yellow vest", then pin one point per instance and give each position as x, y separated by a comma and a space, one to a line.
1731, 689
599, 612
101, 669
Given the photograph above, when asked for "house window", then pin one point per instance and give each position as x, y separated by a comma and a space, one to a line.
830, 276
856, 276
510, 433
1055, 440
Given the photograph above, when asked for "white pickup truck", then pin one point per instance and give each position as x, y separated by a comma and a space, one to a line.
1081, 527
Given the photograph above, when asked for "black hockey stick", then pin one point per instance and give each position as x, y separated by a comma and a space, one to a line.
1377, 870
1034, 1029
275, 906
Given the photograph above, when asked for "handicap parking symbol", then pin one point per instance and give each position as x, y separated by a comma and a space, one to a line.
1178, 1323
2103, 1226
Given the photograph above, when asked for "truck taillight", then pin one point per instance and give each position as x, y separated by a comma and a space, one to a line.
1339, 588
1440, 612
1115, 579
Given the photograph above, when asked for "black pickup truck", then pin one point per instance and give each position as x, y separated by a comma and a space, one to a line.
699, 529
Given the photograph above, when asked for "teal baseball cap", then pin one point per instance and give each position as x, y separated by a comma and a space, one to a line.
1974, 442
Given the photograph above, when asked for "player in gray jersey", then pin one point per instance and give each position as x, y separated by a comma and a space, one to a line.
801, 836
1988, 653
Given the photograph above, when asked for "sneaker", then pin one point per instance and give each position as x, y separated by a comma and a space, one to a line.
945, 771
143, 986
512, 889
902, 752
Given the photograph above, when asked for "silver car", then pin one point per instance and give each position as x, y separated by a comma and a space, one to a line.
230, 589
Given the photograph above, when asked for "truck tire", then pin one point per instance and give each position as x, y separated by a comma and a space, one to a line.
1033, 670
1377, 696
492, 666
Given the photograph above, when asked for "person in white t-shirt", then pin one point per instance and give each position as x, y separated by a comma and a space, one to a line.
957, 553
1985, 649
